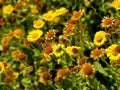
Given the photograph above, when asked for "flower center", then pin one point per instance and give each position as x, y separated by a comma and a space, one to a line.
99, 38
75, 50
35, 35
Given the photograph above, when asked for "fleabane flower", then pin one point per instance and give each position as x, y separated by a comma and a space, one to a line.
38, 24
100, 38
113, 52
8, 9
34, 35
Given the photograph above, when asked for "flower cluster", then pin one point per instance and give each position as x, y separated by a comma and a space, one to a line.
59, 45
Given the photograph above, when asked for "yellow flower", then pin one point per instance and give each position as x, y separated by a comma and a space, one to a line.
60, 11
42, 80
87, 3
38, 24
1, 67
73, 50
113, 52
34, 35
57, 50
49, 16
8, 9
17, 33
116, 4
100, 38
15, 75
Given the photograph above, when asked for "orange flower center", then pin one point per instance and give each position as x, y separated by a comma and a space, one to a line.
88, 70
35, 35
108, 21
99, 38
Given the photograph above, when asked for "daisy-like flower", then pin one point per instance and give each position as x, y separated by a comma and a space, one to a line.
38, 24
107, 22
77, 14
116, 4
60, 11
100, 38
34, 35
57, 49
73, 50
96, 53
50, 34
87, 70
62, 72
113, 52
8, 9
49, 16
1, 67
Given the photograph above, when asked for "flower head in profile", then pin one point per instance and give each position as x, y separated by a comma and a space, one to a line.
107, 22
8, 9
100, 38
116, 4
34, 35
1, 67
73, 50
113, 52
60, 11
87, 70
77, 14
38, 24
96, 53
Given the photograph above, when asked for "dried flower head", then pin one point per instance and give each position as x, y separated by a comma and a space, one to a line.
87, 70
117, 23
82, 61
16, 53
50, 34
77, 14
107, 22
22, 56
96, 53
5, 40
